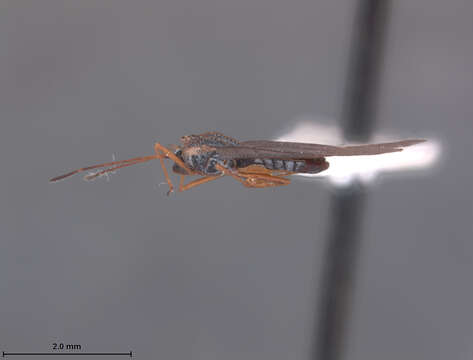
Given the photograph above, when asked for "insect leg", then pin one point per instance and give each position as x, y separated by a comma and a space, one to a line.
166, 175
161, 156
231, 173
258, 169
254, 179
195, 183
161, 150
254, 169
263, 180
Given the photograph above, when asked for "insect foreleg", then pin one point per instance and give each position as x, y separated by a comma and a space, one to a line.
162, 153
161, 156
166, 175
161, 150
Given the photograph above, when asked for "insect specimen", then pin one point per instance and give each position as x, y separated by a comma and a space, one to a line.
255, 164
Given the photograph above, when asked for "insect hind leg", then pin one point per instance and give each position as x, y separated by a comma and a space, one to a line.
255, 179
262, 181
195, 183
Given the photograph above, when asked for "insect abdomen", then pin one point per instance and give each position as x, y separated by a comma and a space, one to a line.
310, 166
284, 165
274, 164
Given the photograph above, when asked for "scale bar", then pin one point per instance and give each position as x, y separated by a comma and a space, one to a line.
130, 354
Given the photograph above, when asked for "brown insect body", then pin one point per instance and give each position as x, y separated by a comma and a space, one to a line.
201, 153
255, 164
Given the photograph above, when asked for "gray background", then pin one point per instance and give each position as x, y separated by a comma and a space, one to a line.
222, 271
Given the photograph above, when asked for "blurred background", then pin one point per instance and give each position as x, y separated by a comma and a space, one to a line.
307, 271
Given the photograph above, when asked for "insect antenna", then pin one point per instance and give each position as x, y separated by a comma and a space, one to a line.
109, 167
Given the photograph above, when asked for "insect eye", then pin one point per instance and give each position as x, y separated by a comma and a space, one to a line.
178, 153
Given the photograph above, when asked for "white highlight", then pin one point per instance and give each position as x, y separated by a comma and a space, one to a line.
344, 170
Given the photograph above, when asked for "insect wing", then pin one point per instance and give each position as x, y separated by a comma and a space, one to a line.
294, 150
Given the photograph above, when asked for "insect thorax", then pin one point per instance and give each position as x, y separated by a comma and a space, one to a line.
200, 160
213, 139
